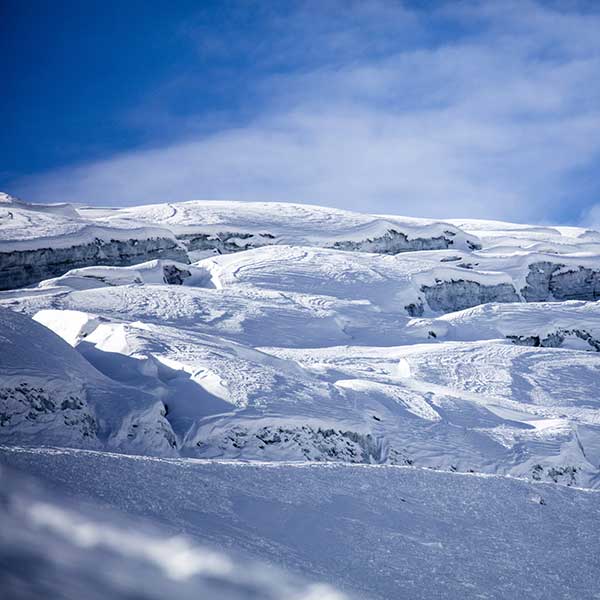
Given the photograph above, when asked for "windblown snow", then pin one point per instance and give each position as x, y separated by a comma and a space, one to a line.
295, 350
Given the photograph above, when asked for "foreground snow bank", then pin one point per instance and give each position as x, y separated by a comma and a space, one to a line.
51, 547
376, 532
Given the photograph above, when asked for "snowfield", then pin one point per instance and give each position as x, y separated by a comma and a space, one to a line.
365, 400
371, 532
51, 547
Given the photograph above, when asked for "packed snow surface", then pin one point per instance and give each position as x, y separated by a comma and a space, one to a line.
372, 532
51, 547
418, 395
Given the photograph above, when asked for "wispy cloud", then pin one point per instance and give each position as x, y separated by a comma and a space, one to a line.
470, 109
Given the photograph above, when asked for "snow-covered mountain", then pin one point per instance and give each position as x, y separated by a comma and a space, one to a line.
283, 337
41, 241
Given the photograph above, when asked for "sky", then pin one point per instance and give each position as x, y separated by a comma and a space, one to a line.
482, 109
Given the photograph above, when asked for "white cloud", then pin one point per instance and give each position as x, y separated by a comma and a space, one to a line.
495, 123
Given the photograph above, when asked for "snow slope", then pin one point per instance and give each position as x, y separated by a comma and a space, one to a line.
51, 547
255, 373
372, 532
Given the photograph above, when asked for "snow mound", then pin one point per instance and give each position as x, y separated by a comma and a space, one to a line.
572, 324
154, 272
416, 283
49, 393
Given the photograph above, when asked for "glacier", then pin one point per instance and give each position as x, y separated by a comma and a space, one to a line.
308, 388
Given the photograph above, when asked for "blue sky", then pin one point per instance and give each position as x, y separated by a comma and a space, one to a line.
438, 109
